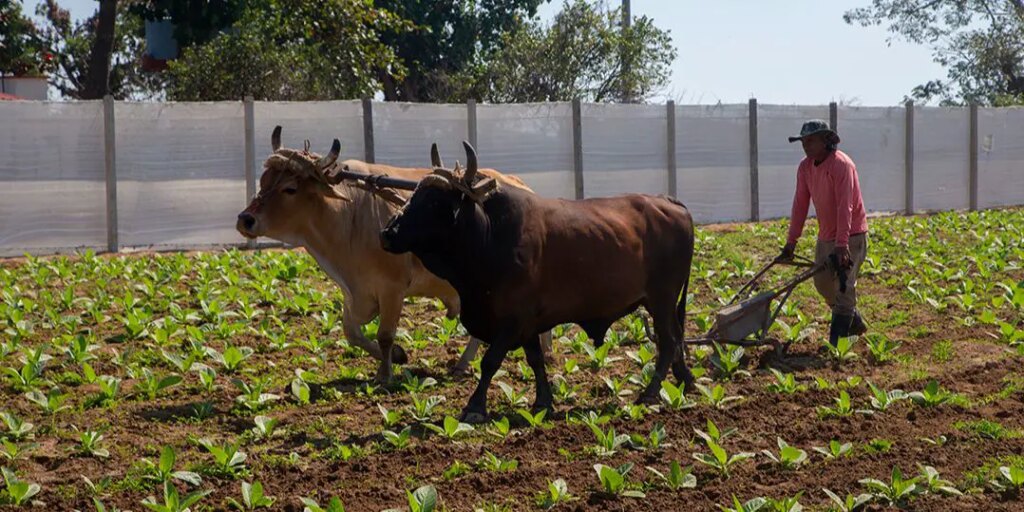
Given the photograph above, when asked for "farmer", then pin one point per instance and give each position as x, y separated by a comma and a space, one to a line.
828, 177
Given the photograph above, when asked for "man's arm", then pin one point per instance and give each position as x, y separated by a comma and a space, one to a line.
843, 195
801, 203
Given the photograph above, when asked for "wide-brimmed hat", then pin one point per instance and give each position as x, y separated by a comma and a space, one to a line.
815, 126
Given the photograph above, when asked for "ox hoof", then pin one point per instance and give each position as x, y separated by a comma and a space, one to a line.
460, 372
473, 417
648, 399
398, 355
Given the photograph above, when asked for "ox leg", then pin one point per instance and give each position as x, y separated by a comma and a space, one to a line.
476, 409
547, 348
389, 315
668, 332
461, 368
351, 320
535, 358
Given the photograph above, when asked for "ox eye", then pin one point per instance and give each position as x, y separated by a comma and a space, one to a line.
290, 190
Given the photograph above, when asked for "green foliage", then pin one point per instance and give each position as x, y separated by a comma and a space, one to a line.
592, 47
294, 51
613, 480
978, 42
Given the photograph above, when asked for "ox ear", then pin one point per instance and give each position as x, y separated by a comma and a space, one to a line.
332, 191
275, 138
435, 157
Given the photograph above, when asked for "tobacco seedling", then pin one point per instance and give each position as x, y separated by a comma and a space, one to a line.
163, 470
252, 497
451, 429
172, 502
835, 450
789, 457
556, 493
677, 477
785, 383
613, 480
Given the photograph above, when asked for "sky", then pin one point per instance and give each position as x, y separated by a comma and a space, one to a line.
778, 51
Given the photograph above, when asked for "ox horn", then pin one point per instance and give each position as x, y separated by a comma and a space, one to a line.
435, 156
275, 138
327, 160
470, 163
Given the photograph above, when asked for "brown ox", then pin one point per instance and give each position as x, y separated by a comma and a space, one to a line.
523, 264
339, 225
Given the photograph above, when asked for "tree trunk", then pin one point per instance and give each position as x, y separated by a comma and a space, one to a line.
97, 83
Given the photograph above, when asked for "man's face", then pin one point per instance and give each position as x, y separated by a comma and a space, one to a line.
814, 145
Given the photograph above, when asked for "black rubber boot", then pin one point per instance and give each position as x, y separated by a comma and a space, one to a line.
840, 328
857, 325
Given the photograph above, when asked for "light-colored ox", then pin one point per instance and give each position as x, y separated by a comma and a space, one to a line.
339, 224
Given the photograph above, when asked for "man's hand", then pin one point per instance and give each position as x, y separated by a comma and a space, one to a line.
843, 256
787, 253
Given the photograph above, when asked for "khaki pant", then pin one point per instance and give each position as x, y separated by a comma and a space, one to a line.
827, 282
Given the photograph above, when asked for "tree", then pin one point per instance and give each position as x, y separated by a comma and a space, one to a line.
88, 65
194, 22
979, 42
580, 55
291, 50
22, 49
448, 41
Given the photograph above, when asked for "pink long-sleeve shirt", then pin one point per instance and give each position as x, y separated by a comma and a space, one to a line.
835, 189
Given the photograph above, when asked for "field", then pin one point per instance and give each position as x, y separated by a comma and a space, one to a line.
128, 376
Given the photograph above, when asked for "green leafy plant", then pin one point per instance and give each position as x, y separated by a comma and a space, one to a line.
608, 443
716, 397
719, 459
894, 492
1010, 478
932, 482
599, 358
842, 351
163, 471
843, 407
398, 440
265, 426
850, 503
423, 409
16, 492
751, 505
785, 383
252, 497
677, 477
227, 459
89, 444
835, 450
334, 505
51, 403
492, 462
253, 398
789, 457
881, 347
613, 480
556, 494
673, 396
17, 429
534, 420
149, 385
232, 358
172, 502
451, 428
655, 440
931, 396
728, 362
